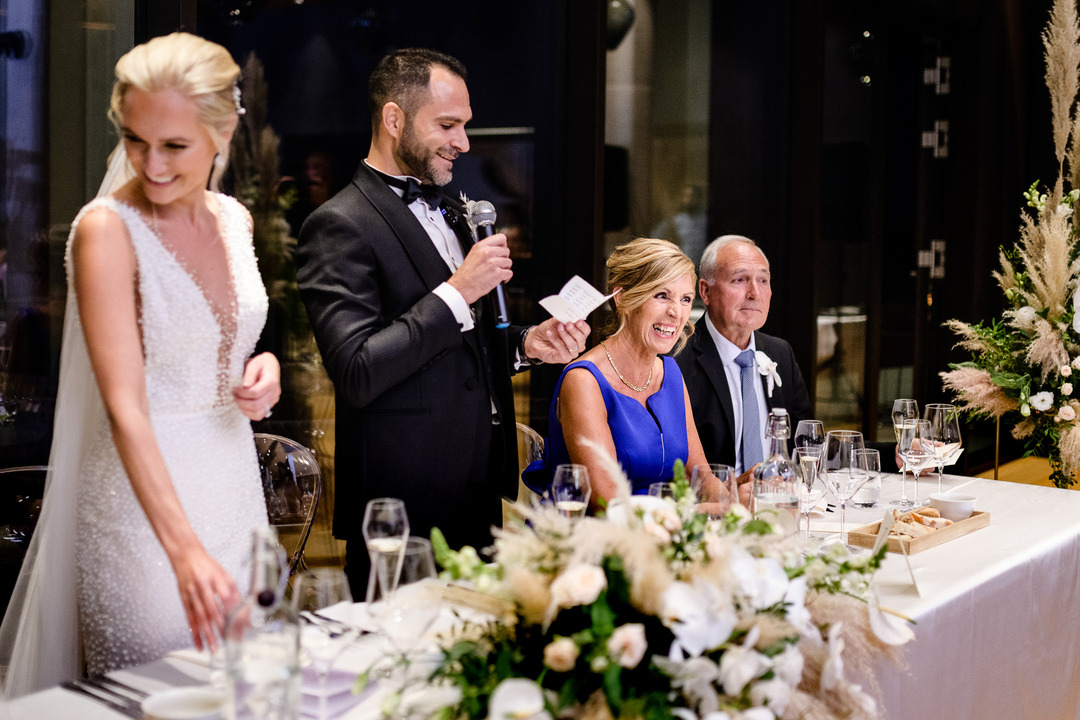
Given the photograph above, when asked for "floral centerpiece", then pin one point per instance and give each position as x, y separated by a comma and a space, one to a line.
1023, 365
657, 611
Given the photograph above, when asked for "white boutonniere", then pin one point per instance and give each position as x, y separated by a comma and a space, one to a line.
767, 367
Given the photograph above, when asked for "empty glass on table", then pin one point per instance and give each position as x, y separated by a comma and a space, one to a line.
915, 448
944, 422
809, 433
323, 638
869, 494
715, 488
842, 472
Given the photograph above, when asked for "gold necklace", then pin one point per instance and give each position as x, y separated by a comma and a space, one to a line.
626, 382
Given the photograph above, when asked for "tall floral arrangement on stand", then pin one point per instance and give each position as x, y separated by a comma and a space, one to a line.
1024, 365
658, 611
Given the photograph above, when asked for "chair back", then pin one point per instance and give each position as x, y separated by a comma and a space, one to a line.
530, 447
292, 484
21, 490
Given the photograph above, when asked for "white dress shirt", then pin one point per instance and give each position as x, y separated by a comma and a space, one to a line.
728, 352
446, 242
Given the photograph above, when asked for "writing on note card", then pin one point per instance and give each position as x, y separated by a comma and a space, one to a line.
575, 301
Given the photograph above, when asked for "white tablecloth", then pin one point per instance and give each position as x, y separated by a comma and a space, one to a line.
998, 613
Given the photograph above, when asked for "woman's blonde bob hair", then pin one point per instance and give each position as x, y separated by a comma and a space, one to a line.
199, 69
640, 268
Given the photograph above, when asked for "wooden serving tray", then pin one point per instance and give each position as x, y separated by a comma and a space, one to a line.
866, 535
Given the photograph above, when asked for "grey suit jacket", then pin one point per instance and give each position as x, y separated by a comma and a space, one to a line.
710, 399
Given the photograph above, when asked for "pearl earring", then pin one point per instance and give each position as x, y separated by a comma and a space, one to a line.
219, 161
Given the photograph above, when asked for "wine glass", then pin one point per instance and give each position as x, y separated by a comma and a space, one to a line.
915, 449
810, 433
661, 490
385, 528
811, 488
944, 422
868, 495
842, 472
570, 490
714, 487
323, 638
406, 615
904, 410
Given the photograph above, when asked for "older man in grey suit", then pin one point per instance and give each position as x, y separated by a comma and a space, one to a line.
734, 373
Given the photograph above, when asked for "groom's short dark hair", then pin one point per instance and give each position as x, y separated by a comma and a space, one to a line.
403, 77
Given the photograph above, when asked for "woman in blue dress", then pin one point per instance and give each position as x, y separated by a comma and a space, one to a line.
626, 397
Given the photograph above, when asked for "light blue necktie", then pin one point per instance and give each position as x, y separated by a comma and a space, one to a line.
751, 424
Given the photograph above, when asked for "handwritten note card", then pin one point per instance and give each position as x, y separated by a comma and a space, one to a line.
575, 301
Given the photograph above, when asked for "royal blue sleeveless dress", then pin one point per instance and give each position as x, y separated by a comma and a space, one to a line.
647, 441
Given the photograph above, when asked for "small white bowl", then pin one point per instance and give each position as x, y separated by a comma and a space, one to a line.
952, 505
185, 703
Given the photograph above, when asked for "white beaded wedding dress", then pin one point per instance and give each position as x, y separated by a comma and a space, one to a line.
99, 578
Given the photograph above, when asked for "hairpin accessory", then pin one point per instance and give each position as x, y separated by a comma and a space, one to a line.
236, 99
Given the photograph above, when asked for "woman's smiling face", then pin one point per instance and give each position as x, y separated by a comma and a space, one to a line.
658, 323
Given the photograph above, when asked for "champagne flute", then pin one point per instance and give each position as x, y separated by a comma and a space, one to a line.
323, 639
904, 410
810, 433
915, 448
944, 434
842, 472
570, 490
811, 489
385, 528
710, 483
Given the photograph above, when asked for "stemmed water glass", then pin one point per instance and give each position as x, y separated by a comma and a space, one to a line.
904, 410
385, 529
870, 461
842, 472
811, 488
944, 422
916, 449
810, 433
706, 482
323, 637
407, 613
570, 490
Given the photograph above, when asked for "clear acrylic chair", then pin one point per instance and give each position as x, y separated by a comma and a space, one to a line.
21, 490
530, 447
292, 484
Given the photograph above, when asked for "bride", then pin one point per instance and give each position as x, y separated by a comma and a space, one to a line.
153, 488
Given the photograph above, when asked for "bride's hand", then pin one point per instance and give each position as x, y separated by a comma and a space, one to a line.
208, 593
261, 387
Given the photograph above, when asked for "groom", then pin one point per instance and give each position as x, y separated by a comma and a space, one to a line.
400, 305
726, 375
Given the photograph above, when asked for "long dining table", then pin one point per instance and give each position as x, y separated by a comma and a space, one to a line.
997, 615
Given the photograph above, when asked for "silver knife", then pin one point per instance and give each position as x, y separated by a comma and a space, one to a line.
111, 685
124, 708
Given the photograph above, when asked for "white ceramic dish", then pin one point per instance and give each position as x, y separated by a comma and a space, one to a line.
185, 703
952, 505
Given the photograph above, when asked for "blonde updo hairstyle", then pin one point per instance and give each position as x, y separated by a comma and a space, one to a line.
201, 70
640, 268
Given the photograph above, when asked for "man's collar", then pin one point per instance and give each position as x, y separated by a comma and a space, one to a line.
727, 349
410, 188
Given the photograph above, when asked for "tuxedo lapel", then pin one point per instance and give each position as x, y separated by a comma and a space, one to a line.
404, 225
709, 359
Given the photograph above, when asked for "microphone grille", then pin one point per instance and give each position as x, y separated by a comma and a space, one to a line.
481, 212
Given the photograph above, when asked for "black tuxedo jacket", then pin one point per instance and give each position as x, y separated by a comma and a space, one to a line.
414, 394
710, 399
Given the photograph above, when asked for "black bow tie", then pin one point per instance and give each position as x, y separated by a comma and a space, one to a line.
412, 189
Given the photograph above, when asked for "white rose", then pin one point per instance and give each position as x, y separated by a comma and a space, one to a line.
517, 699
560, 655
578, 585
1042, 401
1066, 371
741, 664
773, 694
762, 580
1026, 313
1076, 362
1067, 389
1067, 413
627, 644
